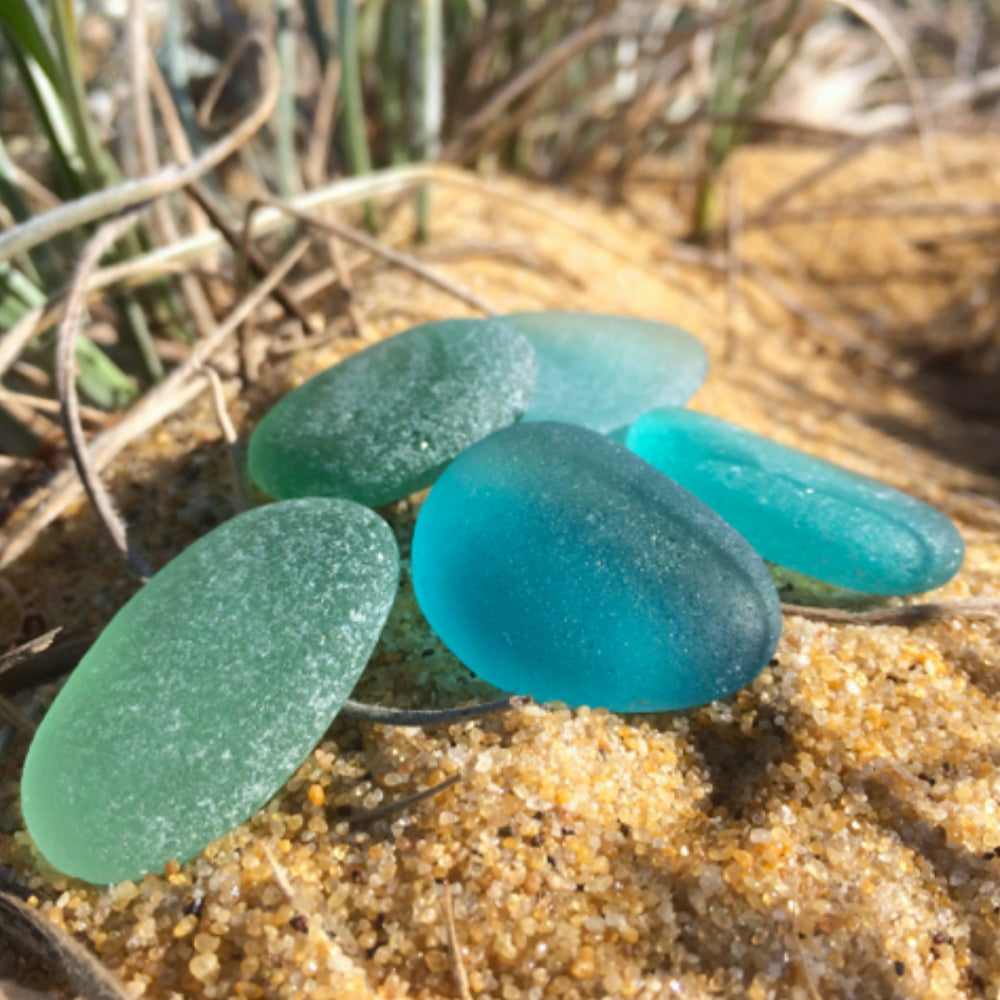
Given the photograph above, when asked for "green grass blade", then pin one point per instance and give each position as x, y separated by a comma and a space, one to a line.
26, 29
355, 134
100, 168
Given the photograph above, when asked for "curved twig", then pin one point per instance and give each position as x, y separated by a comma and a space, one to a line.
351, 235
102, 203
431, 716
973, 609
175, 391
27, 930
361, 816
76, 305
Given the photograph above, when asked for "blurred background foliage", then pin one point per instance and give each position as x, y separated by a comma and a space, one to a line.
575, 94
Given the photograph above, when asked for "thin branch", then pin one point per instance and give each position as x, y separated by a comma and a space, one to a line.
174, 392
876, 19
400, 259
360, 817
25, 929
972, 609
107, 201
314, 169
258, 263
96, 247
27, 650
431, 716
554, 58
454, 952
19, 336
229, 435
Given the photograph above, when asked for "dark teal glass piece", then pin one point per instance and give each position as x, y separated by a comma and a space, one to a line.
554, 562
803, 512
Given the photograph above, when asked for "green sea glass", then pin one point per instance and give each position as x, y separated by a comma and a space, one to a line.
800, 511
208, 689
602, 372
554, 562
386, 421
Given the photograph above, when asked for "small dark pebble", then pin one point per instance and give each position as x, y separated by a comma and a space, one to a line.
299, 923
504, 832
356, 876
625, 829
194, 907
899, 967
537, 840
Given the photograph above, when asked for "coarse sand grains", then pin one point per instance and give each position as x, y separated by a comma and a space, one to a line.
831, 831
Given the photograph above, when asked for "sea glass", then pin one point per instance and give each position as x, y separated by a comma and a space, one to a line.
800, 511
384, 422
602, 372
554, 562
209, 688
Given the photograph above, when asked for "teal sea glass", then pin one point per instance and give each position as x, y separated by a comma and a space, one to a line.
602, 372
554, 562
209, 688
800, 511
384, 422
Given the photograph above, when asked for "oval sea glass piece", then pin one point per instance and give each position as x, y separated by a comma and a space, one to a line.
602, 372
208, 688
384, 422
554, 562
803, 512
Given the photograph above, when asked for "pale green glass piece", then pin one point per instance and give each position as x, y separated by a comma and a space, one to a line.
800, 511
602, 372
209, 688
385, 422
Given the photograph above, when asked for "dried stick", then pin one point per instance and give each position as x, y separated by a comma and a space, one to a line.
82, 211
314, 169
404, 260
240, 244
26, 650
454, 952
180, 148
25, 929
431, 716
18, 336
45, 405
554, 58
145, 140
360, 817
229, 435
870, 14
174, 392
973, 609
96, 247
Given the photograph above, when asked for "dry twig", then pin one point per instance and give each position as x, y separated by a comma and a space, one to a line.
454, 952
107, 201
404, 260
361, 817
174, 392
431, 716
973, 609
25, 929
230, 437
97, 246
